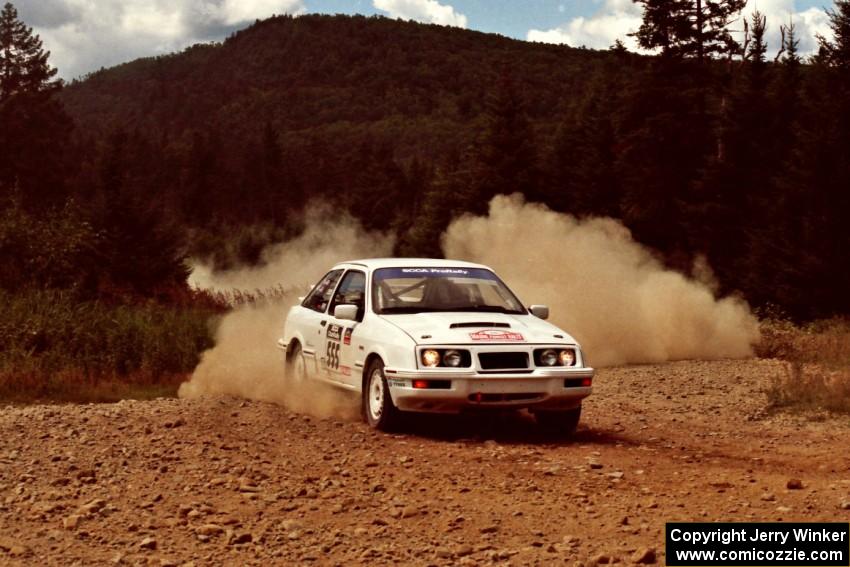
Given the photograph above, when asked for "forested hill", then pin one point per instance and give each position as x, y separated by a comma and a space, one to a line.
337, 78
737, 155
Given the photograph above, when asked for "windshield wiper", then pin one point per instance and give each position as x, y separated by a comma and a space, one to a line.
462, 309
491, 309
401, 310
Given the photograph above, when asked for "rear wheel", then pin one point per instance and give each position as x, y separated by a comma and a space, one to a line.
296, 367
377, 404
563, 422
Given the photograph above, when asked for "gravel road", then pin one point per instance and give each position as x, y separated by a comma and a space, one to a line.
228, 481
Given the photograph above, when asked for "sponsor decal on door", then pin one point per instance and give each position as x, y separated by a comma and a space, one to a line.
335, 334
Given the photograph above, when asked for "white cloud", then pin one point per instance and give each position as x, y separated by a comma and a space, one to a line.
807, 23
428, 11
84, 35
615, 19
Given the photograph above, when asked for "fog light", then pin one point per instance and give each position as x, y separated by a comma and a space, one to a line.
430, 358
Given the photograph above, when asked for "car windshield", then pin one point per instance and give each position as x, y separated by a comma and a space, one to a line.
417, 290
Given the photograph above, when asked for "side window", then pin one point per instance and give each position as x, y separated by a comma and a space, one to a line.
351, 291
320, 296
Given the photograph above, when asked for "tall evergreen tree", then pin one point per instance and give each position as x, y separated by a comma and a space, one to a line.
688, 28
837, 50
804, 258
785, 93
824, 167
757, 49
771, 267
23, 61
141, 250
506, 158
580, 170
35, 130
737, 179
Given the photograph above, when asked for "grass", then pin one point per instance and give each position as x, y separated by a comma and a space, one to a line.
54, 347
74, 388
817, 357
238, 297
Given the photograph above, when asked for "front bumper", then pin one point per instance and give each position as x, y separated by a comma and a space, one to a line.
470, 389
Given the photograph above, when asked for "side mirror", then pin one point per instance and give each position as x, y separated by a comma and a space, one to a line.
540, 311
346, 312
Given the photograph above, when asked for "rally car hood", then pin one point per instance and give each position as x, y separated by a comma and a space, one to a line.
477, 328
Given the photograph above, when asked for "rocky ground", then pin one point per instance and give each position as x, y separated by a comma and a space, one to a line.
229, 481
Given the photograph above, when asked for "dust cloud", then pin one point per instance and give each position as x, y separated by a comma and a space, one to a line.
602, 287
245, 360
298, 263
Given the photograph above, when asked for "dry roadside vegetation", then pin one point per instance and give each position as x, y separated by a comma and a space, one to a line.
55, 348
817, 364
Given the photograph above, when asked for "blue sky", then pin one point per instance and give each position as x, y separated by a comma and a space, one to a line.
512, 18
507, 17
85, 35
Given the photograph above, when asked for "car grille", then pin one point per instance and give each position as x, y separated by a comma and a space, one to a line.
503, 360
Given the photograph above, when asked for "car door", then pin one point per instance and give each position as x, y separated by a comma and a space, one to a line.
340, 339
313, 319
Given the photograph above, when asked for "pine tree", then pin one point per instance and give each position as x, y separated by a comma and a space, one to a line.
23, 61
824, 159
204, 176
786, 90
837, 51
757, 50
580, 173
506, 159
438, 205
688, 28
737, 180
272, 182
34, 136
775, 263
141, 252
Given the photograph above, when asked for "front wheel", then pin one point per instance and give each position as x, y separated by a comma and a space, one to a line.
377, 405
562, 422
296, 366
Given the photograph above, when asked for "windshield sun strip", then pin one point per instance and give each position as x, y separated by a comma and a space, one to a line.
502, 290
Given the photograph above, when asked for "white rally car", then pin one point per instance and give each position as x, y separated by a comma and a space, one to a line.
434, 336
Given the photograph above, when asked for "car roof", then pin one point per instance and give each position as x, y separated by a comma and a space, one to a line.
375, 263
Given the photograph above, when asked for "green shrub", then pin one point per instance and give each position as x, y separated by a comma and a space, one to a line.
50, 341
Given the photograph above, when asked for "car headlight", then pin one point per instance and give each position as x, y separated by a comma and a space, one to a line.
430, 358
452, 358
567, 357
549, 357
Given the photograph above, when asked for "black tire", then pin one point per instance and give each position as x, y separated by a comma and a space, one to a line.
296, 366
562, 422
376, 403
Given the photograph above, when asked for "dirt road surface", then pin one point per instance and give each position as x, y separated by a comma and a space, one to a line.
235, 482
